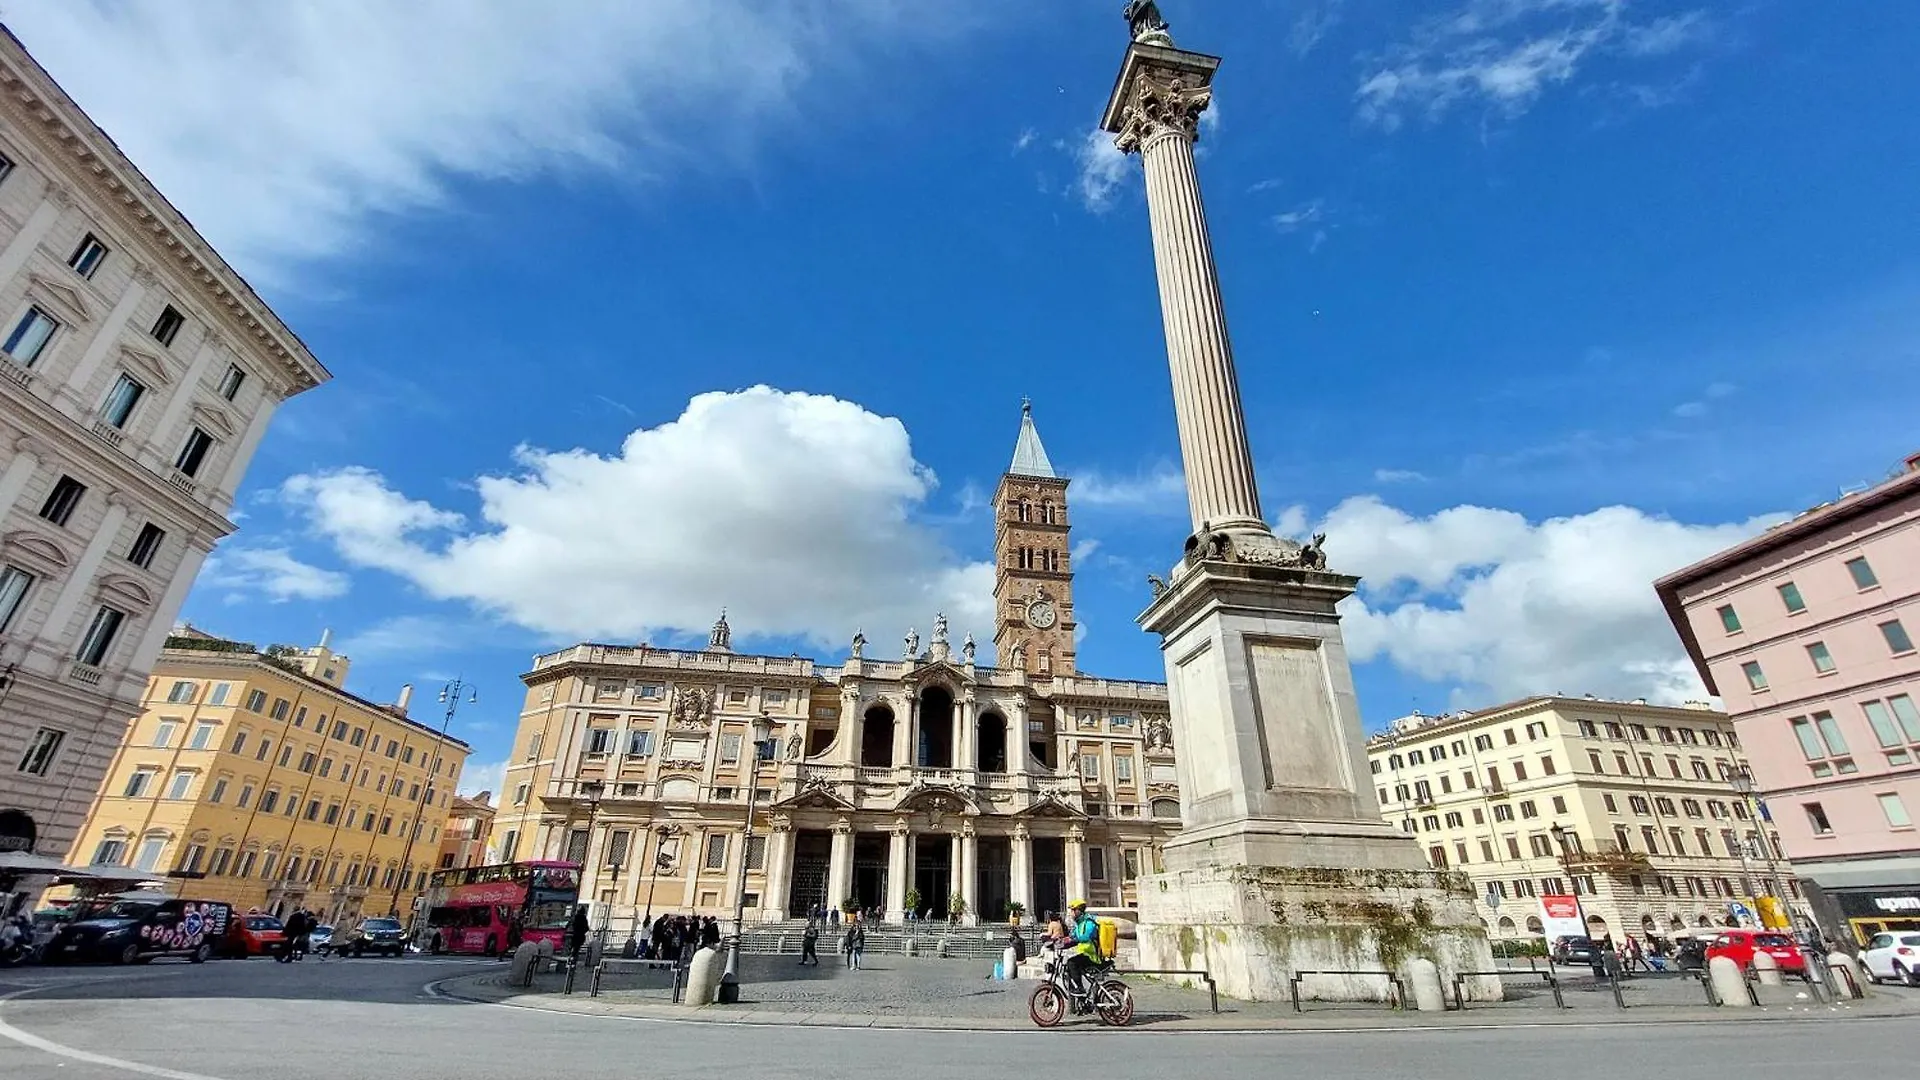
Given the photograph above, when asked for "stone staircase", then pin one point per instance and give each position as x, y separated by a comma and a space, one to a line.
892, 939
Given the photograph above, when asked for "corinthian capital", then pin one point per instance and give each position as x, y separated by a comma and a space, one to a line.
1161, 104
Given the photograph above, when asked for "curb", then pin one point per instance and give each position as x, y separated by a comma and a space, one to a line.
712, 1015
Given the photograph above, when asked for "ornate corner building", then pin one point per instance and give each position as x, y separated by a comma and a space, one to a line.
930, 783
138, 373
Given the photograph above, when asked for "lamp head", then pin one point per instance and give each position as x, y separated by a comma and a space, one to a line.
762, 728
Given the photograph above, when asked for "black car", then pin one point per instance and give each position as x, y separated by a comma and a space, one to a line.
1578, 951
135, 931
378, 935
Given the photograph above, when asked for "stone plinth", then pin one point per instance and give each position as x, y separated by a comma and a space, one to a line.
1253, 927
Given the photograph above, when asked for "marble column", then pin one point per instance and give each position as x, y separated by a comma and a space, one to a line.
1155, 112
1076, 863
965, 736
969, 861
26, 459
779, 868
1017, 751
903, 734
840, 864
897, 872
1020, 890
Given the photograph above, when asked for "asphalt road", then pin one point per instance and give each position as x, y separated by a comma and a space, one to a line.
347, 1020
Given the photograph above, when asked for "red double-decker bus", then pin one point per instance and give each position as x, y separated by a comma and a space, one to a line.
472, 909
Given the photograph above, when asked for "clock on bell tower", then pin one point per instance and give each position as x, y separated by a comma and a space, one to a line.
1032, 581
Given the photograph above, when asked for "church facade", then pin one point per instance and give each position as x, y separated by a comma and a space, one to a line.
927, 784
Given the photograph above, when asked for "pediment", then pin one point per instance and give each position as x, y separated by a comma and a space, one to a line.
1051, 808
936, 796
125, 592
818, 798
938, 671
214, 420
36, 552
147, 364
65, 299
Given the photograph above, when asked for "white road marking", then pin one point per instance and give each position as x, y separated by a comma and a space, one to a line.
8, 1031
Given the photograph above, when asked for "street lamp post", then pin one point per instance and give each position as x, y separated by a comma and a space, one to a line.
1742, 782
730, 979
593, 789
661, 861
450, 697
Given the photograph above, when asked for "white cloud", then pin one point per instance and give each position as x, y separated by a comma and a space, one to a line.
1503, 54
1104, 170
1504, 607
1688, 410
475, 779
1024, 139
284, 129
1398, 476
273, 572
402, 636
794, 511
1300, 217
1164, 489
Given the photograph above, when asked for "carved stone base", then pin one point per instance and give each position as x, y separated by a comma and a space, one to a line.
1253, 928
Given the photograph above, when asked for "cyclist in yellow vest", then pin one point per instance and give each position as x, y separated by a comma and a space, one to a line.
1083, 948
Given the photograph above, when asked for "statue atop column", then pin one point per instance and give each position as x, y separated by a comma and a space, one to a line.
939, 628
859, 644
967, 648
912, 643
1143, 19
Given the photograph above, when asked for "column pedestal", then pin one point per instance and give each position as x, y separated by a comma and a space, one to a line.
773, 904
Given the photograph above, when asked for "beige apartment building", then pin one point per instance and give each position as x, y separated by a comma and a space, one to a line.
138, 373
468, 838
1630, 807
256, 778
926, 782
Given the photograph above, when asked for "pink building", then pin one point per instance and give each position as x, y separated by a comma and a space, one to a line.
1808, 632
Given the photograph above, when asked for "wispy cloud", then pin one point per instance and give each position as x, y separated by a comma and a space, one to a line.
1503, 54
1312, 25
1024, 139
1103, 171
272, 572
1398, 476
1309, 219
1164, 489
287, 131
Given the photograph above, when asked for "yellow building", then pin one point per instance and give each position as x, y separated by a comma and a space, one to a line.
1632, 808
258, 780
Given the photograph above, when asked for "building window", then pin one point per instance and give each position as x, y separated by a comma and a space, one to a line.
730, 748
138, 783
1822, 659
38, 759
109, 853
1817, 818
100, 634
88, 256
1790, 596
180, 786
180, 693
14, 583
231, 382
1862, 573
118, 408
756, 853
1756, 679
219, 792
193, 453
145, 547
163, 734
520, 795
1090, 766
1896, 635
1895, 811
639, 743
63, 500
167, 326
6, 167
202, 736
599, 740
30, 336
1729, 619
716, 851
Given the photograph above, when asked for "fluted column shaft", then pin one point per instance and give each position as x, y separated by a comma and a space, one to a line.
1206, 392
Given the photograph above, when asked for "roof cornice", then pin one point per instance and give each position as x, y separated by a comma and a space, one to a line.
64, 130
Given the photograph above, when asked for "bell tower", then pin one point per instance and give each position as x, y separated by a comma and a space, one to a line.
1032, 581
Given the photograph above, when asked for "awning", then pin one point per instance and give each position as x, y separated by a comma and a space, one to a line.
112, 875
22, 863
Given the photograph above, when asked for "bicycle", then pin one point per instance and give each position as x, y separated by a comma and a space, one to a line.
1107, 997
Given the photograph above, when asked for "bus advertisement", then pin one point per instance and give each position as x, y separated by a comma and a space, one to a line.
474, 910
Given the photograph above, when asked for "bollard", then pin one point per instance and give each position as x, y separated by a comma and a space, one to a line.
1008, 967
1729, 983
703, 977
1767, 969
1423, 977
524, 959
1846, 975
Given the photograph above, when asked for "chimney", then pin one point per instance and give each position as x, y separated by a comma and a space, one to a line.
326, 636
1913, 462
406, 697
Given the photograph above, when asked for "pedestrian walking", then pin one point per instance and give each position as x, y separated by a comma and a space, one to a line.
810, 943
578, 931
854, 944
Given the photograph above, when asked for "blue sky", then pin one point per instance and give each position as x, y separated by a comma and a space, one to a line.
1533, 300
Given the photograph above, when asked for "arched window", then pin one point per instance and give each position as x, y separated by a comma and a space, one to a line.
1166, 809
1024, 509
1047, 512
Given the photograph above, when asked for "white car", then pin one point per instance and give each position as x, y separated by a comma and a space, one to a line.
1894, 956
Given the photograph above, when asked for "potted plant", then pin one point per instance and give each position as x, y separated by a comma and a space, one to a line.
956, 908
1016, 912
912, 902
849, 906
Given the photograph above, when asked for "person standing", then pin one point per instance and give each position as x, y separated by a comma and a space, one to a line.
295, 931
855, 943
810, 943
578, 931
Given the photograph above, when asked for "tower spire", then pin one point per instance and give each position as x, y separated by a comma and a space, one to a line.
1029, 457
721, 639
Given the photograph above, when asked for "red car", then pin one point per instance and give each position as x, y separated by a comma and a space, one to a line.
255, 935
1740, 945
